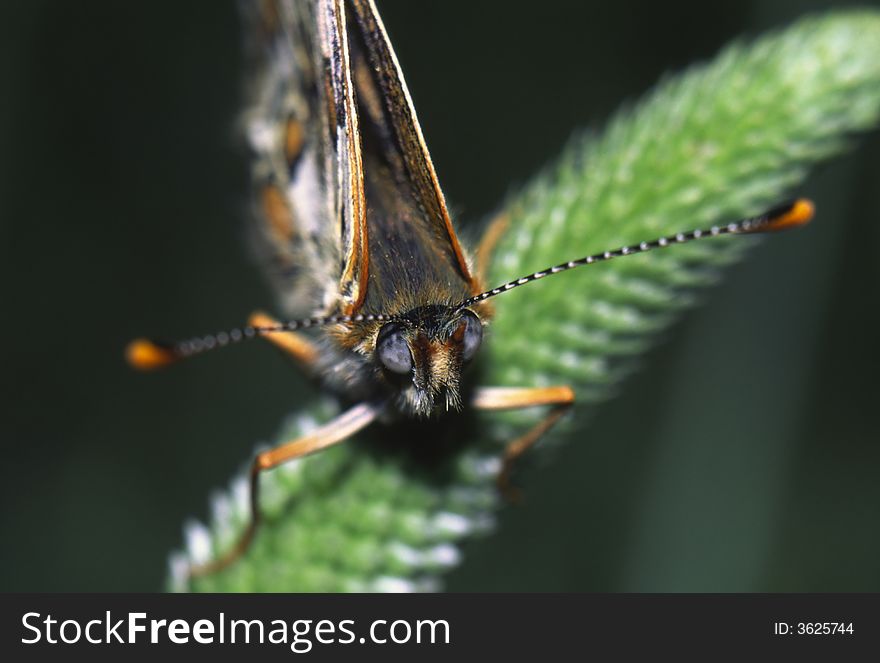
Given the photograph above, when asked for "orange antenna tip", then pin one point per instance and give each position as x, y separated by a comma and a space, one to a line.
145, 355
800, 212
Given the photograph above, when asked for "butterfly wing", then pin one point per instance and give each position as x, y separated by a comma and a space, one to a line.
416, 258
351, 215
310, 222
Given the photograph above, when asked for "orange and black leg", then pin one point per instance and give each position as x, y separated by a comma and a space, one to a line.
336, 431
560, 399
296, 345
486, 248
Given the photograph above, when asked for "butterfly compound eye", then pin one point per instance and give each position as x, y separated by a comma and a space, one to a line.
473, 335
393, 350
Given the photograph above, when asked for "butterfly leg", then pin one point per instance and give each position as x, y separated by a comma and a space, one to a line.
514, 398
337, 430
296, 345
488, 242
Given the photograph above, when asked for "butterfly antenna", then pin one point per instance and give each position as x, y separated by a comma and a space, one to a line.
147, 354
789, 215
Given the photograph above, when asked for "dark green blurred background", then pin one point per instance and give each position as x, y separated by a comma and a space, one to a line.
744, 457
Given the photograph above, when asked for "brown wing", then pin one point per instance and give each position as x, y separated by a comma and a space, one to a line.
415, 256
344, 164
311, 225
353, 218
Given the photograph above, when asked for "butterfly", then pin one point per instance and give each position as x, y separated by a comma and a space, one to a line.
384, 306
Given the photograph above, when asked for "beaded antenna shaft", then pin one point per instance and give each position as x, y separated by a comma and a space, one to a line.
149, 354
787, 215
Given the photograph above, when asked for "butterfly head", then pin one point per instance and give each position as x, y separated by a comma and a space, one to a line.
423, 352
